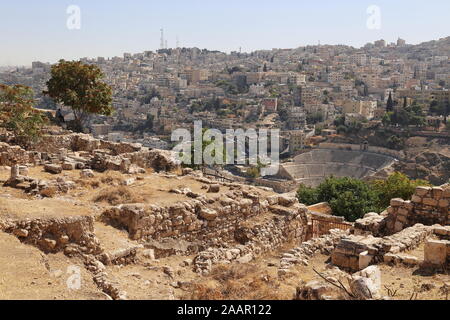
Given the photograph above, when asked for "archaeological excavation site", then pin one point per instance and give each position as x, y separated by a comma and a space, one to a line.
87, 219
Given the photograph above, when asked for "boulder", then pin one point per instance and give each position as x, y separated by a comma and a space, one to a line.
53, 168
214, 188
87, 173
366, 284
208, 214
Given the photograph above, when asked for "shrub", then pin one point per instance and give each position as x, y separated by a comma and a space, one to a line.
308, 195
18, 115
353, 198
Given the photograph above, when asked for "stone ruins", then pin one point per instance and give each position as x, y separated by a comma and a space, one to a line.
221, 223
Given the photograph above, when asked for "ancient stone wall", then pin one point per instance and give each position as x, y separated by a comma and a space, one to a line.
428, 206
10, 155
71, 234
357, 252
213, 221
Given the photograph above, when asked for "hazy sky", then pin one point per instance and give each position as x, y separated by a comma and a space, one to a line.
37, 30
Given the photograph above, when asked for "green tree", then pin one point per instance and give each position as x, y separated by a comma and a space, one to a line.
397, 185
307, 195
390, 103
348, 197
80, 87
18, 115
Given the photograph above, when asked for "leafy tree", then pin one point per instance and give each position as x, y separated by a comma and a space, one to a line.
395, 142
366, 90
341, 129
397, 185
314, 118
308, 195
149, 96
348, 197
80, 87
283, 114
18, 115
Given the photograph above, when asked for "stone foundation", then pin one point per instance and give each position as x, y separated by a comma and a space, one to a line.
72, 234
357, 252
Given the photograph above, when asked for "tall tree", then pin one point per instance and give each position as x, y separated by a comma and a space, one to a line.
390, 103
80, 87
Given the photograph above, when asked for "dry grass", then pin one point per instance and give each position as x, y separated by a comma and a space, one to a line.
88, 183
118, 195
111, 178
237, 282
49, 192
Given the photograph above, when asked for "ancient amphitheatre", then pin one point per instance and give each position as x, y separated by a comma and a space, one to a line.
134, 225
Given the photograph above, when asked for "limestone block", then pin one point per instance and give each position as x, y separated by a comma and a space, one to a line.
438, 193
53, 168
208, 214
430, 202
422, 191
398, 226
284, 200
364, 260
410, 260
436, 252
389, 258
214, 188
372, 273
443, 203
273, 200
446, 192
21, 233
87, 173
442, 231
397, 202
68, 166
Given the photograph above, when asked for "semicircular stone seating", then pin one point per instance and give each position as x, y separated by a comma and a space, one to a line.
313, 167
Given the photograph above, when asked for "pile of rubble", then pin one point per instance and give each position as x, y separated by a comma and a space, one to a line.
81, 151
19, 179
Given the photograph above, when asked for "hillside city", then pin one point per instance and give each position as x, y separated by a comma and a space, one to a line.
298, 90
95, 204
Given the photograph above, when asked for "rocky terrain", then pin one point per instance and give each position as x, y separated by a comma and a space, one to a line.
82, 218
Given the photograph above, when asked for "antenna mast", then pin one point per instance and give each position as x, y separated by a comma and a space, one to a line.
162, 39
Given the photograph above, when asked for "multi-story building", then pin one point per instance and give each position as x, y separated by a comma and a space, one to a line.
365, 108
